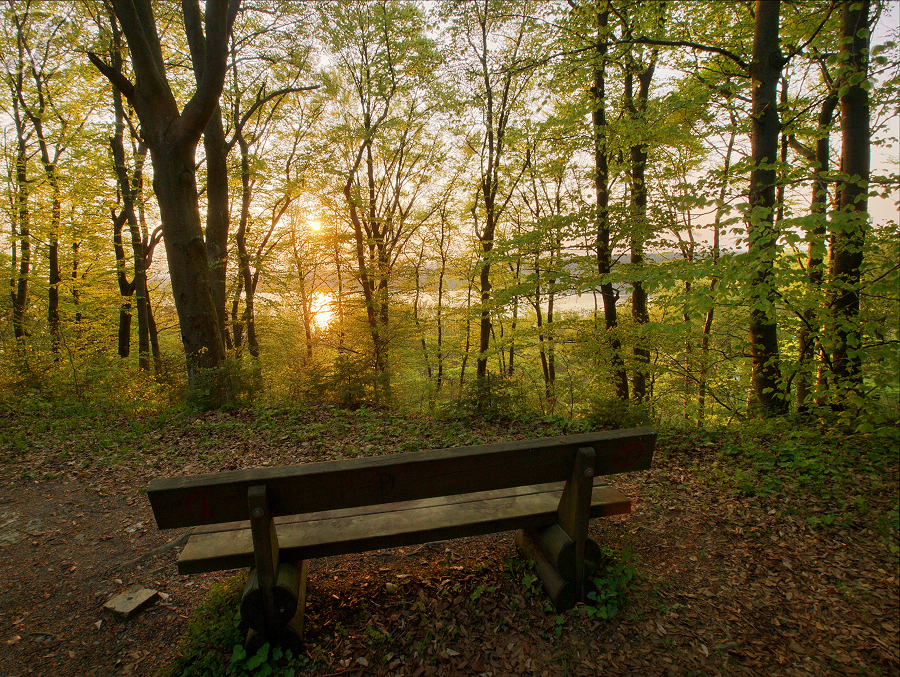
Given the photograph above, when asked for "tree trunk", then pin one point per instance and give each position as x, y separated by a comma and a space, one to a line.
175, 186
639, 226
808, 334
54, 276
710, 314
19, 283
172, 138
765, 72
850, 223
76, 288
249, 322
601, 186
217, 215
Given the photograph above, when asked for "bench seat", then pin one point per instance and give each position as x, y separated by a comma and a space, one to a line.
338, 532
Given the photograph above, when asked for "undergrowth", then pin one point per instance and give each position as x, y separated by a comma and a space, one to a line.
213, 645
831, 476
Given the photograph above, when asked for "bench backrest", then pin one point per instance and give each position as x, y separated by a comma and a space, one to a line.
312, 487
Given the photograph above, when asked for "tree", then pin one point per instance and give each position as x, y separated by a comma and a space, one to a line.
172, 136
762, 236
497, 43
851, 222
386, 60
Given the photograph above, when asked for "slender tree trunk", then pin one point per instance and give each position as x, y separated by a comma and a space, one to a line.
305, 300
639, 226
126, 288
850, 223
55, 276
765, 71
440, 303
19, 292
601, 186
710, 314
243, 254
237, 324
422, 341
468, 346
808, 335
76, 287
217, 216
515, 320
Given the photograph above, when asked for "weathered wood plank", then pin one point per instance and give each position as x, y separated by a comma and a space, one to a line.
313, 487
340, 532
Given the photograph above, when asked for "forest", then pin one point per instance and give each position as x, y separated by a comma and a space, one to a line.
569, 208
262, 235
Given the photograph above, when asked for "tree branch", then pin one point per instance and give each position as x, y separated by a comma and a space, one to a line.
220, 15
694, 45
117, 80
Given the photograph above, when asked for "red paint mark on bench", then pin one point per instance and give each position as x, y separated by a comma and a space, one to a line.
627, 455
197, 505
386, 482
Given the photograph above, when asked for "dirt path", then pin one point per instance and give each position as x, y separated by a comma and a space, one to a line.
729, 586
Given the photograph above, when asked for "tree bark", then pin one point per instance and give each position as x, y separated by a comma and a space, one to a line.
637, 107
815, 271
850, 224
216, 152
765, 72
22, 233
172, 138
601, 188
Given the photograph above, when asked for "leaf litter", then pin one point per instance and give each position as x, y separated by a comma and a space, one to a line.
729, 583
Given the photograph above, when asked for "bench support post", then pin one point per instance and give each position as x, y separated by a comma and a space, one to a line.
574, 511
265, 551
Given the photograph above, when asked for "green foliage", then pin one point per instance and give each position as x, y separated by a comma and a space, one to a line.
609, 413
238, 382
611, 584
213, 645
493, 396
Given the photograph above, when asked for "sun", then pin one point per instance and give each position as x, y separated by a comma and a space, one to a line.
315, 226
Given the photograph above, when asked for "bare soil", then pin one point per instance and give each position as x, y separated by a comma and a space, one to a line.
728, 585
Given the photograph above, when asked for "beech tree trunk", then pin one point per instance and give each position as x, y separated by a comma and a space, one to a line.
850, 222
765, 72
22, 234
216, 152
172, 138
601, 187
637, 107
808, 335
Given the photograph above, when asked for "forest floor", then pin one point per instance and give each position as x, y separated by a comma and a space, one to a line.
745, 566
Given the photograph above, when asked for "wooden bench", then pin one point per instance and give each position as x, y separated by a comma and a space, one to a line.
274, 519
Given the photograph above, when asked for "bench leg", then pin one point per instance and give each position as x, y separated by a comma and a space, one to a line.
574, 511
560, 591
265, 552
295, 625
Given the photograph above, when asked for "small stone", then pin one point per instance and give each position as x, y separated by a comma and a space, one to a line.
131, 601
363, 662
390, 587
